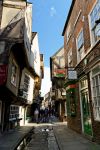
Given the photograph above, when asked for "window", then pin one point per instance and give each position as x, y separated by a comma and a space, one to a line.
80, 45
70, 62
96, 92
95, 28
26, 83
14, 74
14, 112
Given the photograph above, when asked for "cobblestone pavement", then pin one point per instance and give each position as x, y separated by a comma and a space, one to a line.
57, 136
70, 140
43, 139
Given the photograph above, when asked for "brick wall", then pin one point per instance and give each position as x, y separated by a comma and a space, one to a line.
77, 21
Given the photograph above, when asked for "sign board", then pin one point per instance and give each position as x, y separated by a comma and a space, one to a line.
71, 86
59, 72
3, 74
72, 74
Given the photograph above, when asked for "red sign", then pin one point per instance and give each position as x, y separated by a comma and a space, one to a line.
59, 72
3, 74
71, 86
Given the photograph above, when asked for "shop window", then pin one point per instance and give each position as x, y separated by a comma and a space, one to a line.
14, 74
94, 27
71, 102
26, 83
96, 92
14, 112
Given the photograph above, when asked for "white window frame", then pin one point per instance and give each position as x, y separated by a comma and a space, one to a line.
14, 82
28, 84
96, 117
92, 36
14, 112
80, 92
80, 51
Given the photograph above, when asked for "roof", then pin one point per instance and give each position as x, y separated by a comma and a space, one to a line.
33, 35
68, 17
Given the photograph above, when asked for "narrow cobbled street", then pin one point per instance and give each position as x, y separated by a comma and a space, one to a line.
43, 138
58, 136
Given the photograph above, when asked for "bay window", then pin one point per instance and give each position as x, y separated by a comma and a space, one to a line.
96, 92
95, 27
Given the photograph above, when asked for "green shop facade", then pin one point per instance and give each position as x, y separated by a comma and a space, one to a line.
78, 106
83, 97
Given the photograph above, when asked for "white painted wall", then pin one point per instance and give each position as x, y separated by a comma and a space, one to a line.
59, 58
35, 55
9, 13
28, 29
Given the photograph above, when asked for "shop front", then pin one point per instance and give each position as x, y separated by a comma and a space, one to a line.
85, 107
73, 106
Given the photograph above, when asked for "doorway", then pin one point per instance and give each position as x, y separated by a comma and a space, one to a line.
86, 115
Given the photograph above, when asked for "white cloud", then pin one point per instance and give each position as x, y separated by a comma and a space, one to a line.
52, 11
46, 83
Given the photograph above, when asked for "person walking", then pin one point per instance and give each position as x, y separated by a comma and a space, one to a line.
36, 115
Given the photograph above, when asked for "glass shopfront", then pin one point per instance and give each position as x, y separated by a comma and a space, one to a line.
86, 116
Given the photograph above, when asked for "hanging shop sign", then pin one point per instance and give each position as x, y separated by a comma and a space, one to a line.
59, 72
71, 86
3, 74
72, 74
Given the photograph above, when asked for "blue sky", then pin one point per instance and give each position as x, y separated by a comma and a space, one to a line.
49, 17
48, 21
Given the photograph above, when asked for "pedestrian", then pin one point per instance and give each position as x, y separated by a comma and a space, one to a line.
36, 115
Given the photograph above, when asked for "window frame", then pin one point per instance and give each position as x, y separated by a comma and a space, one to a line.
95, 107
81, 48
92, 36
25, 83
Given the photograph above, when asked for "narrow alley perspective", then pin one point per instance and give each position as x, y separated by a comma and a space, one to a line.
49, 75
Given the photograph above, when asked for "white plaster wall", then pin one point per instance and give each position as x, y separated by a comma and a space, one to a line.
28, 29
35, 55
7, 15
60, 54
21, 115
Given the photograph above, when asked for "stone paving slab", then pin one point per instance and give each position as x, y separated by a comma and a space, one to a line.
11, 139
69, 140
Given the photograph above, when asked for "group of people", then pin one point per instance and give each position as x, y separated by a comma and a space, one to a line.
42, 115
